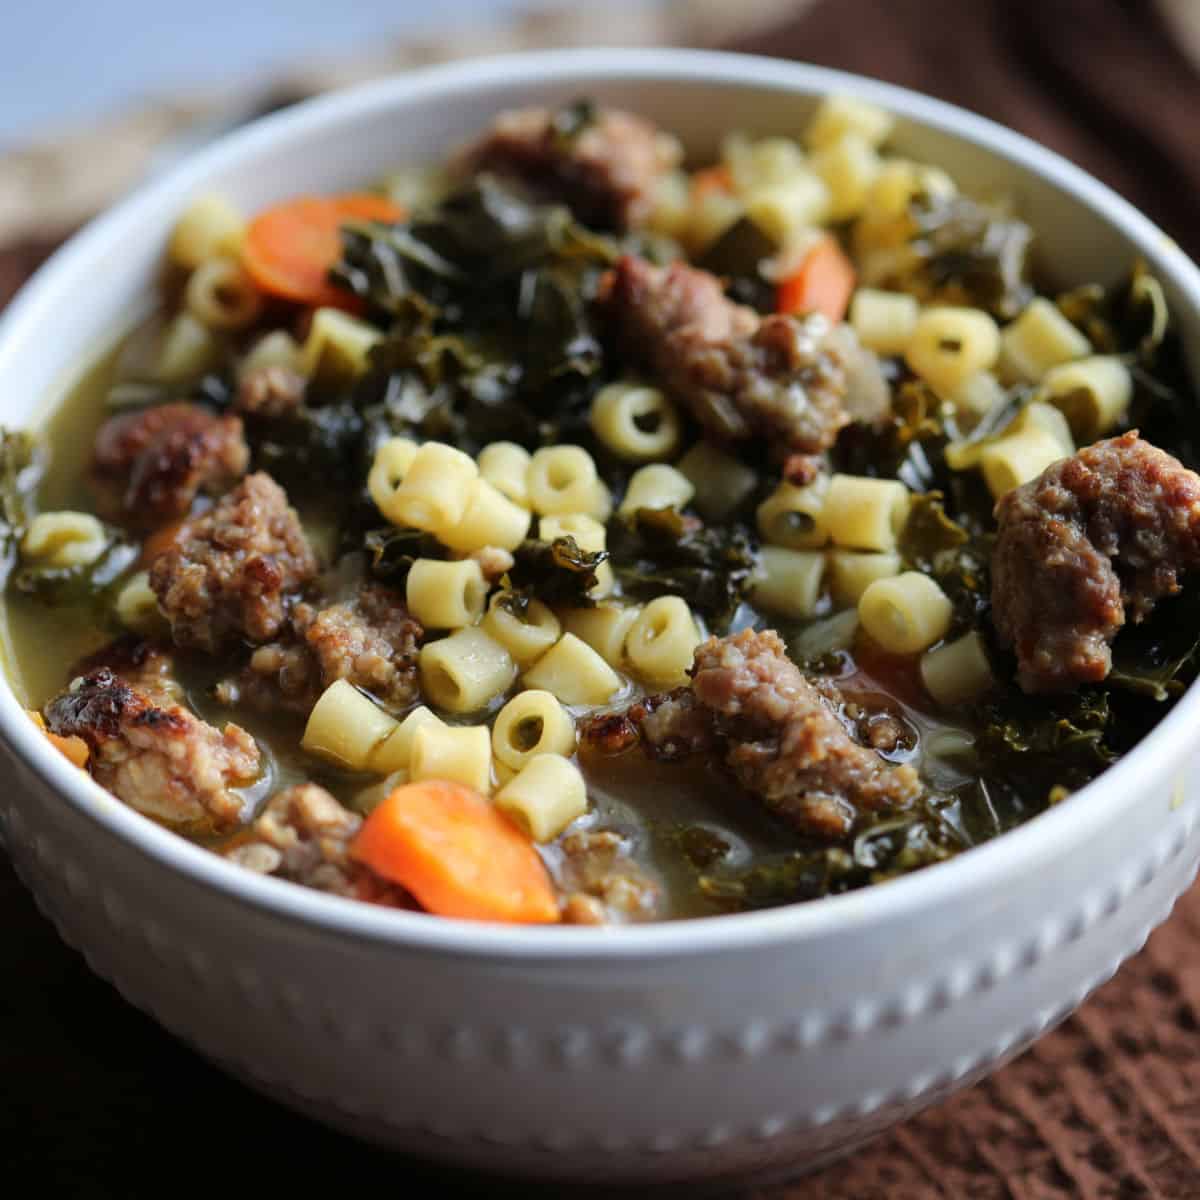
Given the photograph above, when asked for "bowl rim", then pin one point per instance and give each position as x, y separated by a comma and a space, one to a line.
1067, 824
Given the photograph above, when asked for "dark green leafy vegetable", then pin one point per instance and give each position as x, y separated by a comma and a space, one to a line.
966, 252
660, 551
890, 846
391, 552
736, 255
1159, 657
18, 476
91, 585
556, 572
488, 303
570, 120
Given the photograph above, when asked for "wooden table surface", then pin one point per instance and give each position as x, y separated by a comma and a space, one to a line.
96, 1101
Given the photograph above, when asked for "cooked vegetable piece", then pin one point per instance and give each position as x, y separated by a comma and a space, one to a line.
459, 856
823, 283
289, 249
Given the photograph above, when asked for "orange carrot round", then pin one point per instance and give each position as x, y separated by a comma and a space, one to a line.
824, 283
289, 249
455, 853
711, 179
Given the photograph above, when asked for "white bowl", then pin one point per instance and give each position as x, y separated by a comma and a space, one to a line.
758, 1042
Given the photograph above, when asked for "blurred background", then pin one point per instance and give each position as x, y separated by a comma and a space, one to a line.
105, 94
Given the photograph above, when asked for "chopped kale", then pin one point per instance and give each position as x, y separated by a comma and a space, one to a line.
391, 552
490, 328
1158, 658
557, 572
660, 551
569, 121
18, 477
966, 252
93, 585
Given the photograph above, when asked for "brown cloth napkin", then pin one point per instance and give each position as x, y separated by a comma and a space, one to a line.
95, 1101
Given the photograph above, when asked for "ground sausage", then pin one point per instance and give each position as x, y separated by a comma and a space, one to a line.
270, 392
739, 374
142, 664
236, 570
369, 640
600, 881
153, 753
148, 466
607, 171
1094, 541
303, 835
778, 732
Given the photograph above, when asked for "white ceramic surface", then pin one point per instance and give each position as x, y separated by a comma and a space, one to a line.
735, 1044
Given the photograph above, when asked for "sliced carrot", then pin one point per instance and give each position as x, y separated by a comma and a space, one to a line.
711, 179
74, 749
459, 856
289, 249
824, 283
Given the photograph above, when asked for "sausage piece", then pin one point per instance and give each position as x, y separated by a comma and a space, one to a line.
236, 570
148, 466
154, 754
1095, 540
739, 374
303, 835
777, 731
369, 640
606, 169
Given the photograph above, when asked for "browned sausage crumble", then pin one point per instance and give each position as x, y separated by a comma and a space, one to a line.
148, 467
154, 754
1095, 540
774, 729
739, 374
303, 835
236, 570
606, 171
369, 640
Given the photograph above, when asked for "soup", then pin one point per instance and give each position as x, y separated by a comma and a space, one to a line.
564, 532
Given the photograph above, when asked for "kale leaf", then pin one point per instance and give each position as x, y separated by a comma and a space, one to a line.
391, 552
490, 328
659, 551
557, 572
966, 252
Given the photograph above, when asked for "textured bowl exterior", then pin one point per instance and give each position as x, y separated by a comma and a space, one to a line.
751, 1044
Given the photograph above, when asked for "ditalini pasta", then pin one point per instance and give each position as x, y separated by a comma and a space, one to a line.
662, 641
1040, 338
636, 422
533, 722
545, 796
446, 595
464, 672
525, 628
346, 727
573, 672
906, 613
860, 513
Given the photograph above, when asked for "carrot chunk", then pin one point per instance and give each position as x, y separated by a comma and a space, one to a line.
711, 179
824, 283
289, 249
455, 853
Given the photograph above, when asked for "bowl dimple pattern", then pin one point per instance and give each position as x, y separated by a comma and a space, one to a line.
578, 1049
